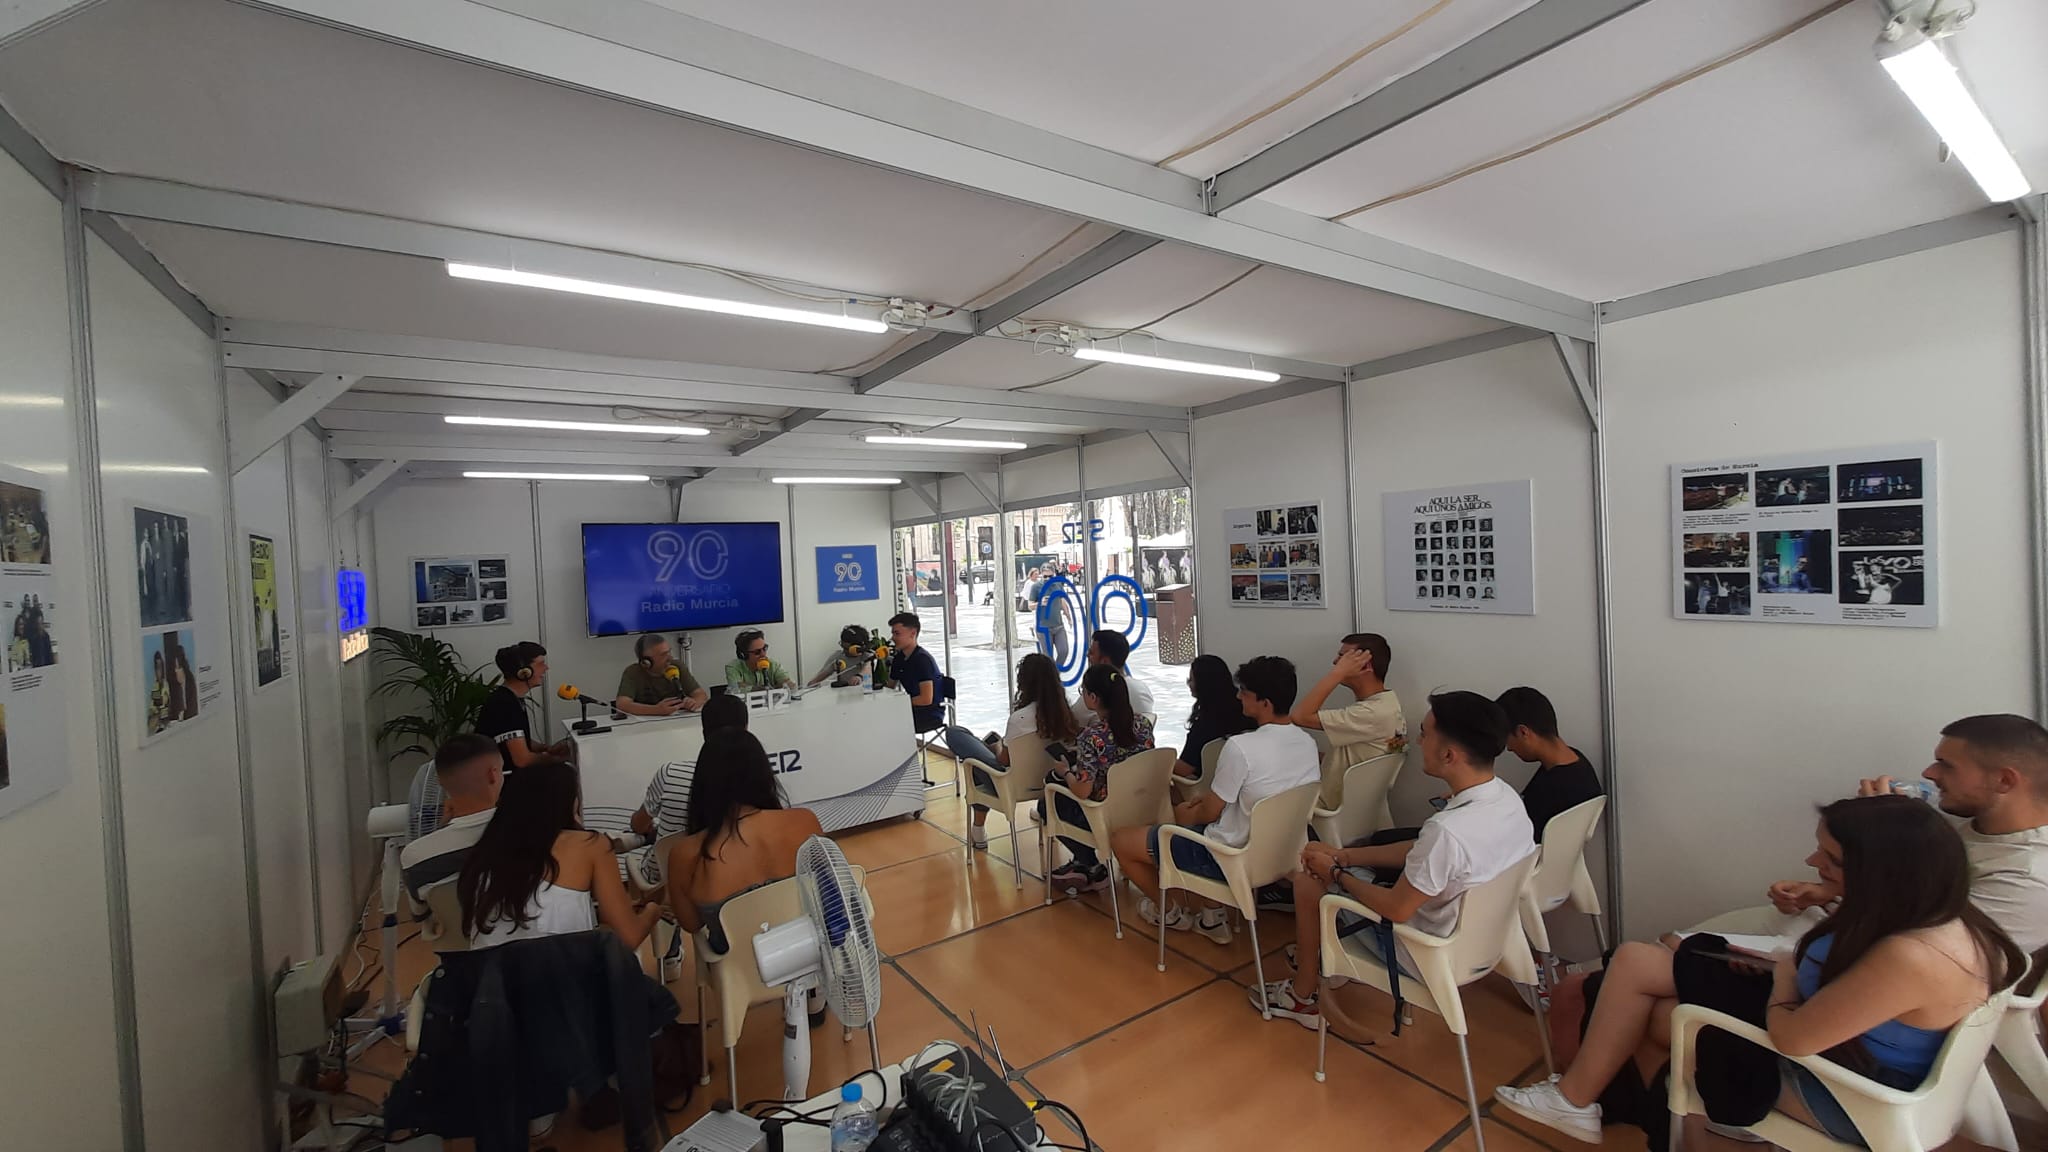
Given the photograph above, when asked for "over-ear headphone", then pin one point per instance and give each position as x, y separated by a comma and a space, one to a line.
744, 641
525, 672
854, 639
641, 646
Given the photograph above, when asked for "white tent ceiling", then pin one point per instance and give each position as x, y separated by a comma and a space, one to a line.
1799, 146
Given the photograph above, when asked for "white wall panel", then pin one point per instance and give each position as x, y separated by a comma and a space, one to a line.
592, 665
1730, 733
56, 968
1130, 460
277, 768
162, 441
1052, 474
828, 518
328, 714
1287, 452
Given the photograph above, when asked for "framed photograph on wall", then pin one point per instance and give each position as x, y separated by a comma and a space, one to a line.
460, 591
1282, 544
1492, 571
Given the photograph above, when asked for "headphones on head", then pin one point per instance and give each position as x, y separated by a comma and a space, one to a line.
641, 646
745, 640
854, 639
524, 671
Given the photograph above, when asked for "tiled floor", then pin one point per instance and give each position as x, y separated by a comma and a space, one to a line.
1149, 1060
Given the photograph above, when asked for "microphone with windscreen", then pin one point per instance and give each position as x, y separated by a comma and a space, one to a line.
586, 725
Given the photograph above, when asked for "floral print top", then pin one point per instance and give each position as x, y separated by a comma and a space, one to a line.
1095, 749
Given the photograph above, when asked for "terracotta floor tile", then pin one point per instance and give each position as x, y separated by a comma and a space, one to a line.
1276, 931
1048, 979
899, 841
933, 897
1206, 1073
1501, 1138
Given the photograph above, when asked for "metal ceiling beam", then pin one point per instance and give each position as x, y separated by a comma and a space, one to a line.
790, 423
143, 198
366, 485
425, 448
1512, 42
1175, 459
1576, 356
306, 348
311, 398
658, 58
1384, 366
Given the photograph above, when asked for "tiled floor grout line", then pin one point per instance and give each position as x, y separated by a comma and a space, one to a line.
1124, 1023
1449, 1138
1099, 910
1024, 911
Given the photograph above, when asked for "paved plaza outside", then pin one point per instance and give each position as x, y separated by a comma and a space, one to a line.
977, 662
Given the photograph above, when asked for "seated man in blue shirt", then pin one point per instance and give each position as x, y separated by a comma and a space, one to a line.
913, 667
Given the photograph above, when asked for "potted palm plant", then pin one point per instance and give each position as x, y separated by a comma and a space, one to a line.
430, 675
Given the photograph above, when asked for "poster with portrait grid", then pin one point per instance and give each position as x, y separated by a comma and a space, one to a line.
1466, 548
1276, 555
1840, 536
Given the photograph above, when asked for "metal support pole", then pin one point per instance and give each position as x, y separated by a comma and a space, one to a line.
2034, 281
291, 522
1005, 559
1603, 587
1195, 536
1087, 529
1351, 533
106, 706
540, 603
796, 619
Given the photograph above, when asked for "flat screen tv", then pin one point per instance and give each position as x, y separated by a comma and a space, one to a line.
681, 577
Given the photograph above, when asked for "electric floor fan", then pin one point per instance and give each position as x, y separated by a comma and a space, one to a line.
830, 947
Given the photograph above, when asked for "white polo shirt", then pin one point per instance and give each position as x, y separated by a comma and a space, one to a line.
1480, 834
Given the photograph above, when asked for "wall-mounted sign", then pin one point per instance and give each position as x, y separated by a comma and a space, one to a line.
1276, 556
848, 573
460, 591
352, 612
32, 738
1471, 547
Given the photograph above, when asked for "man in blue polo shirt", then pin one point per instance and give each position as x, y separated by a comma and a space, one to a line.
913, 667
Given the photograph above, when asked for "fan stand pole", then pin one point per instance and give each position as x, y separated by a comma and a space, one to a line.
874, 1046
796, 1040
391, 1020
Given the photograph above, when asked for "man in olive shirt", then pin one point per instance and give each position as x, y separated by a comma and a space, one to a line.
1371, 725
654, 685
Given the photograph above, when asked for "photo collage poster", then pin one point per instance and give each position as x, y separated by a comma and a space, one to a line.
32, 739
180, 653
272, 635
1834, 537
460, 591
1276, 555
1469, 548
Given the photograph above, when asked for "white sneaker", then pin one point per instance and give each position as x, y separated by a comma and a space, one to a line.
977, 836
1546, 1105
1177, 919
1278, 998
1215, 924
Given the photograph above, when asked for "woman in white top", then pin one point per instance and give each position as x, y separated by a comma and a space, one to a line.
535, 870
1040, 709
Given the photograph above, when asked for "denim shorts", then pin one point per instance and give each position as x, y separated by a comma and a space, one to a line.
1188, 856
1827, 1111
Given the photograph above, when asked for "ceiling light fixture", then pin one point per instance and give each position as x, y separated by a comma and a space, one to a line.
835, 480
656, 296
581, 425
1916, 62
620, 477
946, 442
1200, 368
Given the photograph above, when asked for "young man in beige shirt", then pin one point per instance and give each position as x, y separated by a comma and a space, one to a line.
1371, 725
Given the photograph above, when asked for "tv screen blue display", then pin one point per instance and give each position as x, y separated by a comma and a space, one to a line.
680, 577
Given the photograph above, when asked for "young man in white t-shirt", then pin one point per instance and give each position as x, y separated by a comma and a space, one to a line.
1371, 725
1481, 832
1264, 762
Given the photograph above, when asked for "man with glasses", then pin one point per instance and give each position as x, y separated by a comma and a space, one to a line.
754, 671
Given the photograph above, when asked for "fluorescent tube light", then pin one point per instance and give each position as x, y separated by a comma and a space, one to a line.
582, 425
1196, 366
835, 480
1923, 71
621, 477
655, 296
944, 442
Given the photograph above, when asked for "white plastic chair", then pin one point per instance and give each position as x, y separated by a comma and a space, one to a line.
1889, 1119
1488, 937
1138, 795
1561, 873
734, 977
1007, 790
1364, 810
2019, 1034
444, 933
1279, 831
1199, 786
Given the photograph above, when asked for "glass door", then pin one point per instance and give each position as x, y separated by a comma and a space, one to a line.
1146, 556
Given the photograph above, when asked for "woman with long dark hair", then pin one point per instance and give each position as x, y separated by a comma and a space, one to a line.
1114, 735
1040, 709
1875, 987
535, 871
1217, 714
741, 834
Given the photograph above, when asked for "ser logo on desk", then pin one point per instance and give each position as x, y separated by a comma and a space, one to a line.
788, 760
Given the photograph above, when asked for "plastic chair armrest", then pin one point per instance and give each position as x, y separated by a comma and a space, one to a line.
1687, 1021
1169, 832
1319, 810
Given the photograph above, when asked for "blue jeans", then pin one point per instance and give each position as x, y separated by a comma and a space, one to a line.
1084, 856
1188, 856
965, 745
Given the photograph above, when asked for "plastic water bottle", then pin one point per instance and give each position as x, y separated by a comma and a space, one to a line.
853, 1122
1918, 790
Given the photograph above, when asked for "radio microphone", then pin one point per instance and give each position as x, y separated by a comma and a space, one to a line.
674, 673
568, 692
586, 725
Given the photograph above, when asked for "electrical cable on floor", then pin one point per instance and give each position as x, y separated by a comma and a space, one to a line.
1633, 102
1311, 86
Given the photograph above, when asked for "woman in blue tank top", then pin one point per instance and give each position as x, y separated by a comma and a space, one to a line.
1877, 986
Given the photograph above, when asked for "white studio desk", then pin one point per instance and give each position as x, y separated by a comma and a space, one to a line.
845, 754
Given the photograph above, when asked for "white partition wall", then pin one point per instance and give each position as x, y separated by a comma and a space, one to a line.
163, 443
1509, 414
1287, 452
57, 981
825, 517
1730, 733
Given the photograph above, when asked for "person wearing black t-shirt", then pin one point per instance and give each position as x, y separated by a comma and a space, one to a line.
1564, 778
504, 717
913, 667
1217, 713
